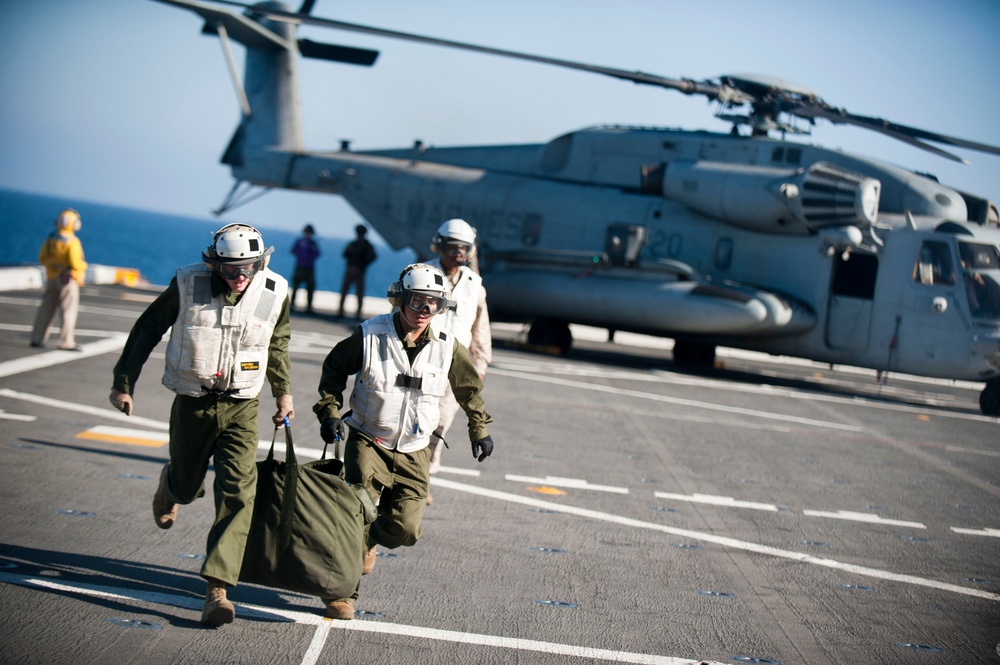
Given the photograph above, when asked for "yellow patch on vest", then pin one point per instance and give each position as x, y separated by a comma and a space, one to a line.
251, 366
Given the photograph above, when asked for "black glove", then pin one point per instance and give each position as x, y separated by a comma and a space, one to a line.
331, 430
482, 448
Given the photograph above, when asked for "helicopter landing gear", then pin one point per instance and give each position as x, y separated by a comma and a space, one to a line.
989, 399
550, 333
694, 354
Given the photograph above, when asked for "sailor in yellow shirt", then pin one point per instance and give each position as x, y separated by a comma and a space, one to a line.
62, 256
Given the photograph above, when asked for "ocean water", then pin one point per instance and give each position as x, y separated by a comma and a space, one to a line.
156, 244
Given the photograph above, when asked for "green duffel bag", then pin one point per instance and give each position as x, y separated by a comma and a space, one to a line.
307, 533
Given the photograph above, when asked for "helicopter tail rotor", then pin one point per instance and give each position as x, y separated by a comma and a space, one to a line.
269, 100
252, 34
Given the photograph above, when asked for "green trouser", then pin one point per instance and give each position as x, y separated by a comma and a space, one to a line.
222, 430
397, 482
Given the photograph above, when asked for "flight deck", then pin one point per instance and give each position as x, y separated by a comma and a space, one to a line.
633, 512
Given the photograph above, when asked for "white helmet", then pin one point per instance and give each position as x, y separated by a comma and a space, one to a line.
458, 231
236, 244
423, 278
426, 282
237, 249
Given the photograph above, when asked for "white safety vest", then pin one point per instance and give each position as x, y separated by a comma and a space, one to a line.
217, 346
394, 402
465, 293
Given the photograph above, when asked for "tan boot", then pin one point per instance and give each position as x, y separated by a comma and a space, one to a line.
339, 609
369, 565
164, 510
218, 609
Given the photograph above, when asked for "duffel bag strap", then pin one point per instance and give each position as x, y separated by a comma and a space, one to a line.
291, 488
270, 452
289, 448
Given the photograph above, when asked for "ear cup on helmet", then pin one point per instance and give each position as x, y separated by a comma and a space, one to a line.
395, 294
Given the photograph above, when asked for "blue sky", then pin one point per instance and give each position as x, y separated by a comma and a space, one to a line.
124, 102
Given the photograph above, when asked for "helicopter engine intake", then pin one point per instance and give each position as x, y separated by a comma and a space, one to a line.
773, 200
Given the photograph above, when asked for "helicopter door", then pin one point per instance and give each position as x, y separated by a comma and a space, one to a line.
934, 326
852, 290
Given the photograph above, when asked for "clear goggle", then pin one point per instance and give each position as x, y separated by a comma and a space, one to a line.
453, 248
232, 273
418, 302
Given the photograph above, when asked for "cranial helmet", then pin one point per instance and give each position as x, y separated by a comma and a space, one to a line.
423, 280
68, 220
237, 249
455, 230
237, 244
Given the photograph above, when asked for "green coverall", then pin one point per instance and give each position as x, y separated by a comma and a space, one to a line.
398, 481
214, 428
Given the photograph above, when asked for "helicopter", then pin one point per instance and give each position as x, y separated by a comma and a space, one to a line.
735, 239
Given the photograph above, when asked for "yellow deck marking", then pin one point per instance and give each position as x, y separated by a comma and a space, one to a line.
135, 437
546, 490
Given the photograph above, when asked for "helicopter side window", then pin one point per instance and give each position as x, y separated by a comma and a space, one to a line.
792, 156
980, 274
855, 276
934, 266
651, 178
531, 230
976, 256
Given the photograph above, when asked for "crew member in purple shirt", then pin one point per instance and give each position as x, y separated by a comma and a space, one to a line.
306, 252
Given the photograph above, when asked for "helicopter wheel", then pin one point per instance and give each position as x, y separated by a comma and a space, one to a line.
550, 332
694, 354
989, 399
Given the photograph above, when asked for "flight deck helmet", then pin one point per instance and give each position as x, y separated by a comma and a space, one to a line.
420, 287
68, 220
237, 249
453, 235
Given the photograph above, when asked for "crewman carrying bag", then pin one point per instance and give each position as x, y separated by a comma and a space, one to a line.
307, 531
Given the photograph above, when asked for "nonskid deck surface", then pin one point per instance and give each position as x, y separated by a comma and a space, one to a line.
632, 512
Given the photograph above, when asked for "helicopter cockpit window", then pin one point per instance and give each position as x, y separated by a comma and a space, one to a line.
981, 277
977, 256
934, 265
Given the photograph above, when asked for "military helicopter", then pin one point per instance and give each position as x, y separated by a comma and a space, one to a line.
690, 235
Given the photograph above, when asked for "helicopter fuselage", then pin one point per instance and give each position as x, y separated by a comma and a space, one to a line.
700, 210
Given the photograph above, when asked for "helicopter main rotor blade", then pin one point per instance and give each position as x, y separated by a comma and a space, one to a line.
918, 133
713, 91
905, 133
